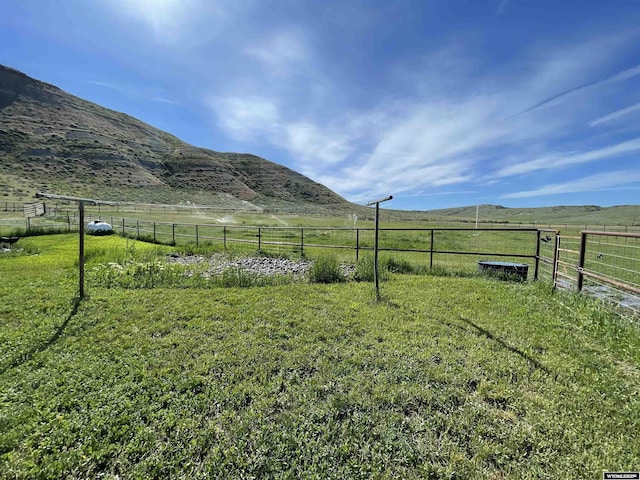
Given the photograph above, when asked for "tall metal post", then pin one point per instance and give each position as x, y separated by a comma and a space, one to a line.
583, 251
535, 275
431, 251
81, 226
375, 254
375, 242
81, 252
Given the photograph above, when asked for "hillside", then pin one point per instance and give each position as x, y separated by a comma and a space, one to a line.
55, 142
587, 214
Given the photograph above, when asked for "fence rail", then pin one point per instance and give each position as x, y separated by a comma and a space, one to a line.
609, 267
513, 243
603, 264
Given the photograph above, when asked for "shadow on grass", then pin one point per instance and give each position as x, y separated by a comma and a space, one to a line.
26, 356
532, 361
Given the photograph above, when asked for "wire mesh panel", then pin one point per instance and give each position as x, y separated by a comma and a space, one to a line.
492, 242
405, 239
242, 238
547, 254
611, 267
50, 224
281, 240
567, 262
163, 233
210, 235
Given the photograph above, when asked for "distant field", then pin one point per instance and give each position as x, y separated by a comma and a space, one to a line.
621, 218
444, 378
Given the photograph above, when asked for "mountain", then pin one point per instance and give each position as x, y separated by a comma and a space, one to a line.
55, 142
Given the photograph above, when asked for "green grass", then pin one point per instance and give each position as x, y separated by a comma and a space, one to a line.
446, 377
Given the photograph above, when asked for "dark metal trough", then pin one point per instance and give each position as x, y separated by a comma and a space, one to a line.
508, 269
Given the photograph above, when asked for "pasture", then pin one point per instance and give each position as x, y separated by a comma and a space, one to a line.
446, 377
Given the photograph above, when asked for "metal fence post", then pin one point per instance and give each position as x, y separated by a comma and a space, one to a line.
301, 242
583, 251
81, 252
556, 251
173, 233
123, 227
137, 229
224, 236
154, 232
357, 243
431, 251
535, 274
197, 241
259, 238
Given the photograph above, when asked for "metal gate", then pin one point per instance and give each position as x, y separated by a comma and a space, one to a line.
567, 261
604, 265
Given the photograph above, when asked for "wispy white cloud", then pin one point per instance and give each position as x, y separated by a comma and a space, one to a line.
502, 7
422, 193
246, 118
591, 183
615, 115
430, 137
283, 51
134, 93
260, 120
182, 24
564, 160
618, 77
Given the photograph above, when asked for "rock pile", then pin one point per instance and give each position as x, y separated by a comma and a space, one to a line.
219, 262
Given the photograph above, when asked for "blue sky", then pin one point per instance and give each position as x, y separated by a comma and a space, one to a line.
440, 103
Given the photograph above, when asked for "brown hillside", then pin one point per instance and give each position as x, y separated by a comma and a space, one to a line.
56, 142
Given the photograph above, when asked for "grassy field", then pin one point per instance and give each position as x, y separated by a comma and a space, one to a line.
446, 377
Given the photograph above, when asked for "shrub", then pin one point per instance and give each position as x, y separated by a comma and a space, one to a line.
326, 269
237, 277
365, 270
137, 275
395, 265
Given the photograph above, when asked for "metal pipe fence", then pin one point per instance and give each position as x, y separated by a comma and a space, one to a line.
609, 267
433, 243
603, 264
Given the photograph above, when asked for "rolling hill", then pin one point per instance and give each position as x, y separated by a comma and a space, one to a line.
55, 142
576, 215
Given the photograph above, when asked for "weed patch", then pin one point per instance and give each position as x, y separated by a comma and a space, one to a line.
326, 269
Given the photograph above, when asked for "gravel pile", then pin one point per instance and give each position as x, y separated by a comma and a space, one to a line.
219, 262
